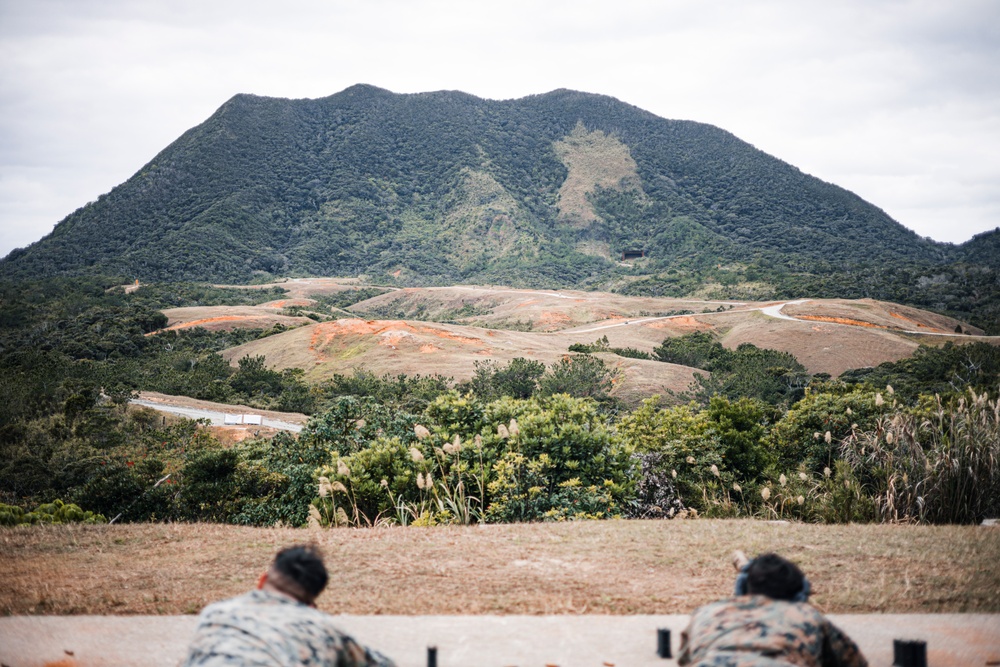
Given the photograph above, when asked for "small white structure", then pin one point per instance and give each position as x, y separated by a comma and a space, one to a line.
235, 420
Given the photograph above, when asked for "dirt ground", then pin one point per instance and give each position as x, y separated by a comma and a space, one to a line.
446, 330
605, 567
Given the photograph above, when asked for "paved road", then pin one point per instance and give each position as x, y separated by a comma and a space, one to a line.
774, 310
215, 417
953, 640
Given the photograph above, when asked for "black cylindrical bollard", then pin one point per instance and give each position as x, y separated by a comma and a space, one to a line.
663, 643
909, 653
432, 656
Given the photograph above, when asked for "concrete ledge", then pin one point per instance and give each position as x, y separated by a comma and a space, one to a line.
478, 641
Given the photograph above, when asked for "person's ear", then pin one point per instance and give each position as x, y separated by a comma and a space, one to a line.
261, 580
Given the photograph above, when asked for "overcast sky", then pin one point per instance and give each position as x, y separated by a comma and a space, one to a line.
896, 100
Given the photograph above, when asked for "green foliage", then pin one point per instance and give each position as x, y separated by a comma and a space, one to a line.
602, 345
580, 375
748, 371
407, 393
186, 295
515, 445
676, 448
560, 461
945, 370
55, 512
810, 432
347, 298
741, 427
518, 379
511, 460
351, 423
698, 349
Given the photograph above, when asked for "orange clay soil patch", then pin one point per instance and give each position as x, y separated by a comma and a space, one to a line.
549, 317
393, 338
390, 333
900, 316
287, 303
586, 567
444, 333
840, 320
324, 333
686, 322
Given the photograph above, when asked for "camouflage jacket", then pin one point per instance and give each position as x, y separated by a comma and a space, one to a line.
756, 631
263, 628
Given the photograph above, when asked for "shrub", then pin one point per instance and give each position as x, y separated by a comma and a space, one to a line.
678, 444
518, 379
510, 460
55, 512
810, 432
580, 375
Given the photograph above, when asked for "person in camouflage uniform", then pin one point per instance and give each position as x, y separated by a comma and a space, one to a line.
278, 624
768, 623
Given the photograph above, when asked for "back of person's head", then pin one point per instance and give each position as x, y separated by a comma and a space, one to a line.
299, 571
775, 577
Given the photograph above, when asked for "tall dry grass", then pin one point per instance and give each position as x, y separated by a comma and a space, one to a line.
941, 467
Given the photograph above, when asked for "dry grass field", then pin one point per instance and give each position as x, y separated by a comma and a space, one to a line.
606, 567
445, 330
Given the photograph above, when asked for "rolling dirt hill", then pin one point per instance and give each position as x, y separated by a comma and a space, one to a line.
425, 348
446, 330
217, 318
534, 310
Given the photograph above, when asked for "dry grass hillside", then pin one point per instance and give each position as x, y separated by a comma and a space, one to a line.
215, 318
423, 348
521, 309
446, 330
588, 567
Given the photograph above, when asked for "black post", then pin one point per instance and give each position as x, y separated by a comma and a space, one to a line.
909, 653
432, 656
663, 643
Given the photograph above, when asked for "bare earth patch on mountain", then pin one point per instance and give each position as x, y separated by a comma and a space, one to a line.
593, 160
599, 567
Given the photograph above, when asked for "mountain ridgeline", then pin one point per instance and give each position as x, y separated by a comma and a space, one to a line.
545, 191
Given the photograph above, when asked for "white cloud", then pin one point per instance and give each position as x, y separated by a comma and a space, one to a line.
898, 100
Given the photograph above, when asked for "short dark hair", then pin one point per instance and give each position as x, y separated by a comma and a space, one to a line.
775, 577
301, 567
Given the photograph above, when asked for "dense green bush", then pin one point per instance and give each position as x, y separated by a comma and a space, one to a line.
518, 379
947, 369
55, 512
510, 460
603, 345
746, 372
811, 431
579, 375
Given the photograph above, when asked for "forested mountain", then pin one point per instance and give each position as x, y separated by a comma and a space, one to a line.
548, 190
